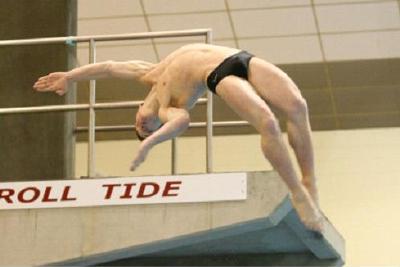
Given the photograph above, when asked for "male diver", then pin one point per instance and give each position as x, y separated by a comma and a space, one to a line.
245, 82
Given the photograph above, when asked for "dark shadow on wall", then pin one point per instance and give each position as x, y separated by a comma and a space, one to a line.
35, 146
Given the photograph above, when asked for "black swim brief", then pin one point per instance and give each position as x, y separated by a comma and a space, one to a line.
237, 65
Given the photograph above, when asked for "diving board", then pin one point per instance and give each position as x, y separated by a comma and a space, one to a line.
263, 229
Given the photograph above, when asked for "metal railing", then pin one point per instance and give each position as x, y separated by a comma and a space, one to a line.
92, 105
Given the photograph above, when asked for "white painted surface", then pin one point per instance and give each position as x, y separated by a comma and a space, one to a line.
241, 4
105, 8
272, 22
368, 45
260, 20
339, 2
123, 191
179, 6
112, 26
359, 17
281, 50
218, 21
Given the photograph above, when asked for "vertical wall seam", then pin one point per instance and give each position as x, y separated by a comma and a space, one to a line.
398, 90
146, 20
325, 65
229, 13
398, 4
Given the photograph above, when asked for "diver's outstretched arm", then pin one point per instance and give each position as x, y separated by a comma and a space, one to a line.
58, 81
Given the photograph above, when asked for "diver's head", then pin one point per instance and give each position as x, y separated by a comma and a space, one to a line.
146, 124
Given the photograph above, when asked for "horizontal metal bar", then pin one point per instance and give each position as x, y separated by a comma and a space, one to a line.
132, 127
70, 107
219, 124
114, 105
77, 107
50, 108
111, 37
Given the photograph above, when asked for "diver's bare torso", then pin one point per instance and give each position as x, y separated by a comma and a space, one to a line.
183, 73
180, 79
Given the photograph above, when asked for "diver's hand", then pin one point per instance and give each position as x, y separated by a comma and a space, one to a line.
140, 156
54, 82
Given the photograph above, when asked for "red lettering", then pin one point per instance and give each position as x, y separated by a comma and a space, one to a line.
6, 194
65, 194
110, 188
46, 197
142, 190
128, 190
22, 195
170, 186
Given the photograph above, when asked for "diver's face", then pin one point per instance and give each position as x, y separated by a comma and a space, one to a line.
146, 125
141, 130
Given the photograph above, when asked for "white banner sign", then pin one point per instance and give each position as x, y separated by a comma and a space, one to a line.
123, 191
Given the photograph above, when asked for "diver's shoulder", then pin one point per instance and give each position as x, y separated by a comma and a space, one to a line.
202, 47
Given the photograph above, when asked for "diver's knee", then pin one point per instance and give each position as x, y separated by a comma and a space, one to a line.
297, 108
269, 125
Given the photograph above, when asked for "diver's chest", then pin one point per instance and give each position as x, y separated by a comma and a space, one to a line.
187, 96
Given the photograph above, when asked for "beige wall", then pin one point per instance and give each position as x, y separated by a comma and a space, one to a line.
359, 180
317, 30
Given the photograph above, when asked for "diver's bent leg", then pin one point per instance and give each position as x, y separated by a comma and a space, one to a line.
299, 135
275, 87
275, 151
239, 95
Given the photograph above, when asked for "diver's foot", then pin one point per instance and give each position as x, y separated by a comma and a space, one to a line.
306, 209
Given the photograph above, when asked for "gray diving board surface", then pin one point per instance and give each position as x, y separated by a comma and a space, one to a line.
262, 230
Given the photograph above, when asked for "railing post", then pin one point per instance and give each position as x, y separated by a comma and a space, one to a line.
209, 158
91, 168
174, 156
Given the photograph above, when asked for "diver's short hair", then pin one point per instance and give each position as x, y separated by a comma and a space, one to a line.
141, 138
